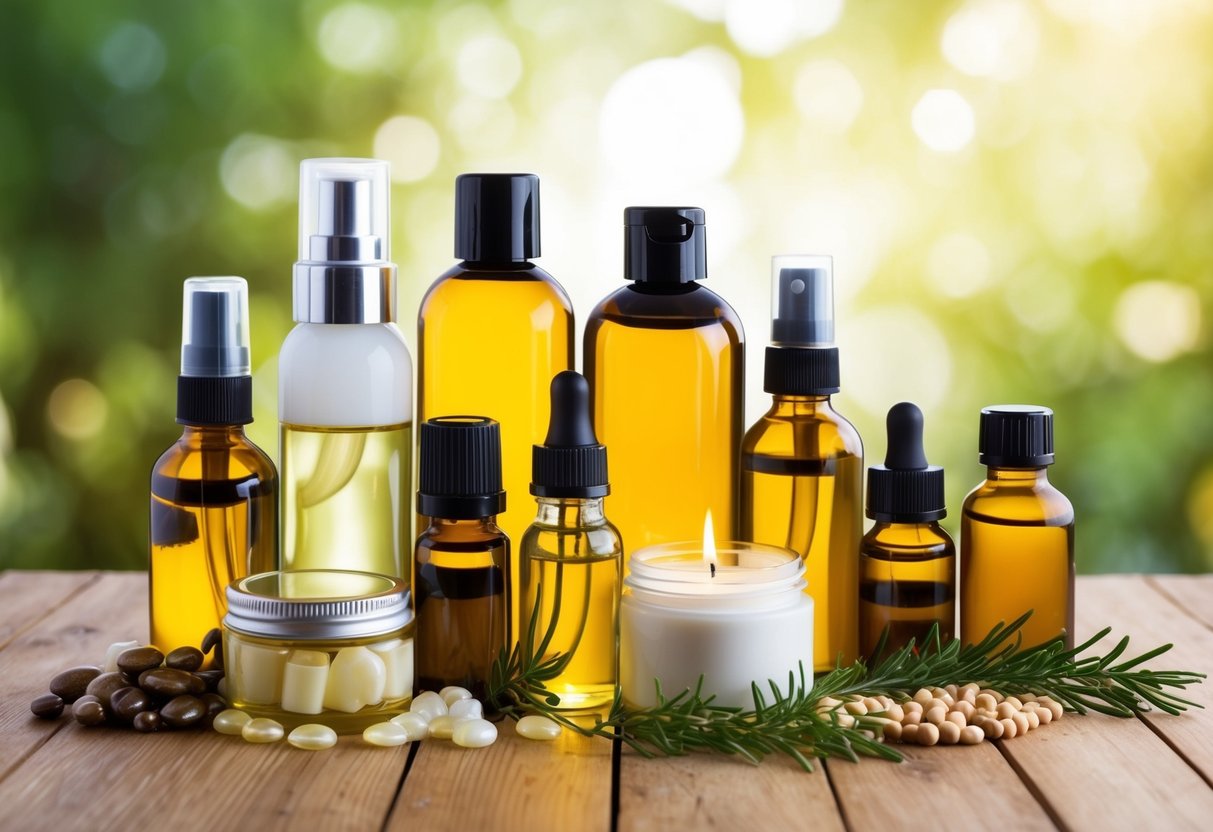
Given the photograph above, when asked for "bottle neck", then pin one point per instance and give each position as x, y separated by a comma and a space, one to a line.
477, 526
1018, 476
569, 512
800, 405
211, 436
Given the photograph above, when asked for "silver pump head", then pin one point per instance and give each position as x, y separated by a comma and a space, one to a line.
344, 275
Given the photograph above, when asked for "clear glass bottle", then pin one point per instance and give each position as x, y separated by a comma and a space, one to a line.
802, 462
665, 360
1017, 533
571, 556
907, 562
214, 494
496, 301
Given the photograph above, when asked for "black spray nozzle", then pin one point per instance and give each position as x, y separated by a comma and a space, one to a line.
804, 312
571, 462
664, 245
904, 426
906, 489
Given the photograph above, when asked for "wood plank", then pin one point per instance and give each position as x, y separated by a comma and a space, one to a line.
703, 791
513, 784
28, 597
1193, 593
1097, 772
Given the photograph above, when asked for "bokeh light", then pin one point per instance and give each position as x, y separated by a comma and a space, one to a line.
357, 37
992, 39
944, 120
412, 146
76, 409
1158, 320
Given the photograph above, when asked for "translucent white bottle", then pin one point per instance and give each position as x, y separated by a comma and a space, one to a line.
345, 378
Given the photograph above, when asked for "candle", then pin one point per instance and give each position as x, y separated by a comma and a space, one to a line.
735, 613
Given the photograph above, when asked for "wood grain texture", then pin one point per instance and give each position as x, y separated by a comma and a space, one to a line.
515, 783
1191, 593
28, 597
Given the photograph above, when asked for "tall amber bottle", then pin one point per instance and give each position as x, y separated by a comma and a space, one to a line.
1017, 532
495, 328
214, 493
665, 360
802, 462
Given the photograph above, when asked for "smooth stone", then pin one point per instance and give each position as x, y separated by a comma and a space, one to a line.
385, 734
104, 686
73, 683
147, 722
535, 727
429, 705
213, 640
210, 678
139, 659
313, 737
262, 730
113, 652
453, 693
183, 711
215, 704
231, 721
474, 733
184, 658
47, 706
415, 725
127, 703
88, 712
169, 683
467, 709
442, 727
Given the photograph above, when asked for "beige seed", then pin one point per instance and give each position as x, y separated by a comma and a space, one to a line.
1021, 723
992, 728
909, 733
896, 712
985, 702
1032, 718
928, 734
845, 720
913, 706
1031, 705
1009, 729
969, 692
952, 690
1044, 715
998, 697
971, 735
1055, 707
856, 708
912, 718
1027, 697
828, 703
937, 715
1014, 702
923, 697
892, 732
956, 718
949, 733
965, 708
1006, 710
872, 704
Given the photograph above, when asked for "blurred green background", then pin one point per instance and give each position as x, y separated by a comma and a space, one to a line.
1018, 196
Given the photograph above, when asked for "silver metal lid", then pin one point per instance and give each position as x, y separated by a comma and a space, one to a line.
317, 604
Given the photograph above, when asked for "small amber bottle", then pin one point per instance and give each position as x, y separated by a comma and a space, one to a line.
462, 582
907, 562
1017, 533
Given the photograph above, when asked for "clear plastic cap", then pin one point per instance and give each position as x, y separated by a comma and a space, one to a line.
802, 300
214, 327
343, 211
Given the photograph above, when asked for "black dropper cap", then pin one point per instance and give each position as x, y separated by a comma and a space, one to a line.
460, 469
496, 217
571, 462
1016, 436
905, 489
664, 245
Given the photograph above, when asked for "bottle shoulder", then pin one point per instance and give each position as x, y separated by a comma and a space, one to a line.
907, 541
781, 430
1032, 503
306, 340
588, 542
460, 280
238, 460
694, 307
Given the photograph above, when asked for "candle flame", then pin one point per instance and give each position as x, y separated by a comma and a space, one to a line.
709, 543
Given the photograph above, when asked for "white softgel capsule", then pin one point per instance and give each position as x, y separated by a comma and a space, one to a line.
113, 652
429, 705
386, 734
312, 737
474, 733
537, 728
262, 730
452, 694
442, 727
466, 709
415, 725
231, 721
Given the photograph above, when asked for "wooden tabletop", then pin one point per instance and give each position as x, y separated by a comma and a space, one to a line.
1093, 772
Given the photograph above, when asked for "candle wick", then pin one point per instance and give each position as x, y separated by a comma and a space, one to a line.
712, 566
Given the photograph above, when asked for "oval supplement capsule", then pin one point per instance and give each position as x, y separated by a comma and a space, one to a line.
475, 733
231, 721
452, 694
429, 705
467, 709
442, 727
415, 725
262, 730
385, 734
312, 737
535, 727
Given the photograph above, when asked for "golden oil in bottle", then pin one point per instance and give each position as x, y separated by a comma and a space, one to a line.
665, 360
1017, 533
907, 562
571, 557
495, 328
802, 462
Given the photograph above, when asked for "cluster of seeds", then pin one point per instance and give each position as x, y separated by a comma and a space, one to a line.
968, 715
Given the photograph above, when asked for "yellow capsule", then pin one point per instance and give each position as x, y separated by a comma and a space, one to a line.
312, 737
231, 721
535, 727
442, 727
385, 734
262, 730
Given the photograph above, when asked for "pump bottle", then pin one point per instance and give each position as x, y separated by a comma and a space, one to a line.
345, 382
214, 513
664, 357
802, 462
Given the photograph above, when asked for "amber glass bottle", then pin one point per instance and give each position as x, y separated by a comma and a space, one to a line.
664, 358
497, 307
462, 580
1017, 532
802, 462
214, 493
907, 562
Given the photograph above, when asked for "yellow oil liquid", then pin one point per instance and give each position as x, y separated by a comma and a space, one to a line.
346, 498
907, 582
489, 344
802, 488
1017, 554
214, 520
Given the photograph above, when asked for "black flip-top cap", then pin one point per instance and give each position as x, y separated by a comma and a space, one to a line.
571, 462
664, 245
460, 468
905, 489
496, 217
1016, 436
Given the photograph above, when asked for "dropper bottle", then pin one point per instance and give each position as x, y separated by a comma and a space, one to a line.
214, 514
907, 562
572, 556
802, 462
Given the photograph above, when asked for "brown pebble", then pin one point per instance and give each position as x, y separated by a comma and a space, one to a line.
72, 683
213, 640
215, 704
210, 678
47, 706
168, 683
183, 711
88, 712
184, 658
147, 722
127, 703
138, 659
103, 687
